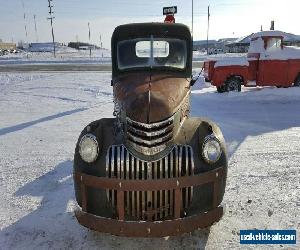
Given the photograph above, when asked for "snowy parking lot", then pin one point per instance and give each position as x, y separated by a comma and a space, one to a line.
42, 115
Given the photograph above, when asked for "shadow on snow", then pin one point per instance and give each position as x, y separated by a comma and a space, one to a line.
24, 125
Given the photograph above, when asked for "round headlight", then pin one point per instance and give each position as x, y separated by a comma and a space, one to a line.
211, 149
88, 148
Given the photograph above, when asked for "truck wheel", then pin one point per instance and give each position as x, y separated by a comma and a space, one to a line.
206, 79
297, 82
221, 89
233, 84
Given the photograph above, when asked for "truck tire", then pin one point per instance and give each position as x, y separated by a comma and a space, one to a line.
233, 84
297, 81
221, 89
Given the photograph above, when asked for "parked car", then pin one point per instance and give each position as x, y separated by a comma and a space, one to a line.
268, 63
152, 171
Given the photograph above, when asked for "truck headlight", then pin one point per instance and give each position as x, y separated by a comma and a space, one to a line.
211, 149
88, 148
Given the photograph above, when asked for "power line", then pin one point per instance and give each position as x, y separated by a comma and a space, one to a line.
51, 17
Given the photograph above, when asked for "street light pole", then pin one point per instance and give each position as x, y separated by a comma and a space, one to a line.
51, 22
208, 15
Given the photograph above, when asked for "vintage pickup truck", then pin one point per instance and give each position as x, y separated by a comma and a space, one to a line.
268, 63
153, 170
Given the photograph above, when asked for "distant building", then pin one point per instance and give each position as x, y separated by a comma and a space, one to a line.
202, 44
237, 45
241, 45
43, 47
7, 46
291, 40
81, 46
213, 45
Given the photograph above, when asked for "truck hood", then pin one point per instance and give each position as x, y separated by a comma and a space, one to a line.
150, 98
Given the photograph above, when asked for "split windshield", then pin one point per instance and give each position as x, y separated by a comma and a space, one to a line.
149, 52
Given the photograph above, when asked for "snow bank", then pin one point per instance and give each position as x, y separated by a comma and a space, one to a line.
257, 46
233, 61
287, 53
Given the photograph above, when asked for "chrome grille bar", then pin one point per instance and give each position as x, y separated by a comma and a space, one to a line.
149, 205
151, 125
149, 138
164, 138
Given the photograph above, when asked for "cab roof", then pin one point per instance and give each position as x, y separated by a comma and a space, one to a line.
134, 30
145, 30
270, 33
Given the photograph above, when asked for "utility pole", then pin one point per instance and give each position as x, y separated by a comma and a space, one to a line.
192, 19
208, 15
25, 26
90, 39
51, 17
101, 45
100, 41
35, 28
77, 40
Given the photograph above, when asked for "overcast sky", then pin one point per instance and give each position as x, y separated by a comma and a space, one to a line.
229, 18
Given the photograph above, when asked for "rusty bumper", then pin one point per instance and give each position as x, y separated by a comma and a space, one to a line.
178, 225
146, 228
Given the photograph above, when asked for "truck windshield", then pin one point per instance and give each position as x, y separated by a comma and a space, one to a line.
139, 53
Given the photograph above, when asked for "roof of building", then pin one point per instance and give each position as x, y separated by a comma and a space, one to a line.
226, 40
246, 39
204, 42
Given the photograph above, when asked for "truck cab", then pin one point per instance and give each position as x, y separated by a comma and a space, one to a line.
268, 63
153, 170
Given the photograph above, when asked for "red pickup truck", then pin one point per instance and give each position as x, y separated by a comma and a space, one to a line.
268, 63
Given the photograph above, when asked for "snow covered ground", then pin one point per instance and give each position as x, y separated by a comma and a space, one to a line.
66, 55
202, 56
42, 115
63, 55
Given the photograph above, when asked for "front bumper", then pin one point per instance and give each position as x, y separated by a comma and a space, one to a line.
178, 225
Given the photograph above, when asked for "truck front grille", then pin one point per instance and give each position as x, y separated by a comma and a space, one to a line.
149, 205
150, 138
